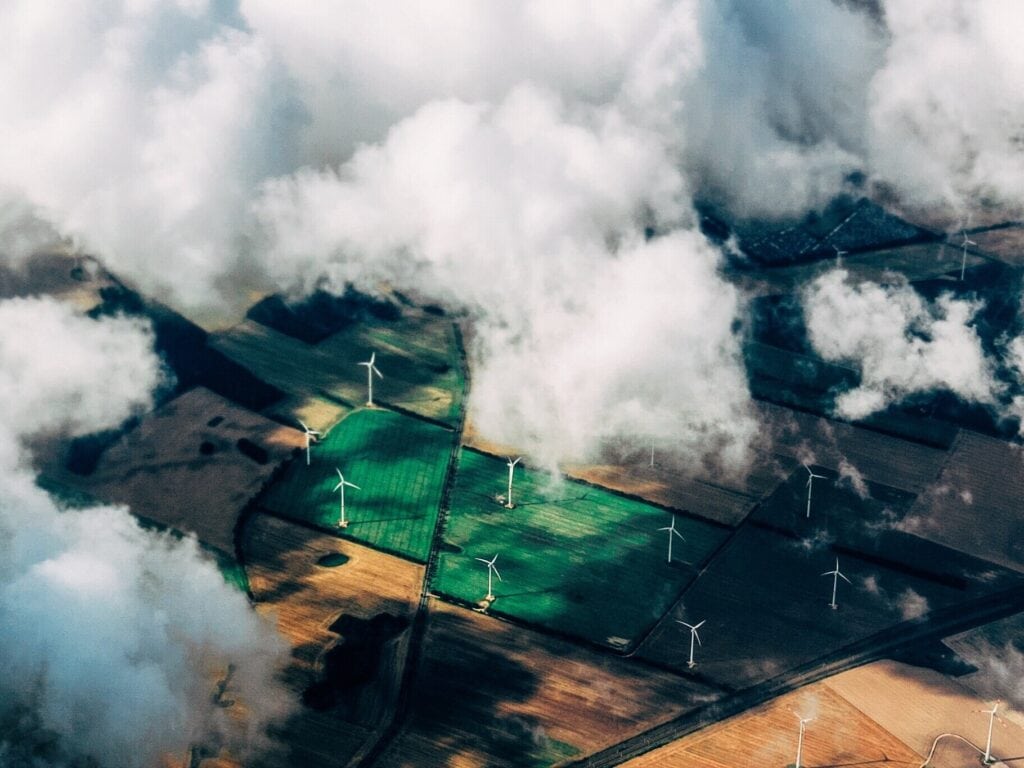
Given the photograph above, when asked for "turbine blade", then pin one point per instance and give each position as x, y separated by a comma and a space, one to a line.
829, 573
841, 576
353, 485
482, 560
379, 374
701, 624
373, 357
696, 634
496, 572
667, 528
336, 487
677, 533
303, 424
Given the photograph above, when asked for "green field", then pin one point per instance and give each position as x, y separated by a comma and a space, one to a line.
418, 354
574, 558
399, 464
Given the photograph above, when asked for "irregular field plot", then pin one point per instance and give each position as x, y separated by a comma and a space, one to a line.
399, 464
493, 693
574, 558
418, 355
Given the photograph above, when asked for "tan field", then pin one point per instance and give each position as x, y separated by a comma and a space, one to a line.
916, 705
1006, 244
766, 737
158, 468
982, 479
306, 598
490, 693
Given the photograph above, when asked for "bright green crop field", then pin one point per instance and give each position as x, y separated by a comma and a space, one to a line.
399, 464
574, 558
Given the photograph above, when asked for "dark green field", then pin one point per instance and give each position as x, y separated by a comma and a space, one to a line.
399, 464
574, 558
418, 355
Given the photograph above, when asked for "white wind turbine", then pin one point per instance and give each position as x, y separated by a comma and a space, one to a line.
836, 576
693, 637
992, 717
371, 369
672, 532
342, 484
963, 263
839, 253
800, 739
311, 434
491, 572
511, 469
810, 482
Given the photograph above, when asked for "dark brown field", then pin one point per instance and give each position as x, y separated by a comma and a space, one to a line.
489, 693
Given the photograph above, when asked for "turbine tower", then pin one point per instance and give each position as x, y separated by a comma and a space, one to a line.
693, 636
963, 264
810, 482
371, 369
311, 434
342, 483
672, 532
511, 469
992, 717
800, 739
836, 576
491, 572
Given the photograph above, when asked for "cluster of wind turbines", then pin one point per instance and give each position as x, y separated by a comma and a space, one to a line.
311, 436
835, 573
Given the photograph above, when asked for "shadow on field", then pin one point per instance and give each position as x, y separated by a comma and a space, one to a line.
465, 702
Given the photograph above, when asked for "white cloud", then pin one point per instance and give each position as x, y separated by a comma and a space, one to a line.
113, 636
530, 217
899, 343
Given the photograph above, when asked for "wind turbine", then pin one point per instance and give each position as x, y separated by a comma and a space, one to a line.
672, 532
491, 571
311, 434
800, 739
839, 253
511, 468
693, 636
342, 482
370, 370
992, 716
836, 576
967, 241
810, 483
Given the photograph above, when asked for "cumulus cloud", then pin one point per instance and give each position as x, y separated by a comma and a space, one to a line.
531, 216
113, 636
900, 343
946, 121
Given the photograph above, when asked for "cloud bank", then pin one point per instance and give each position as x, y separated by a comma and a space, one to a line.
114, 637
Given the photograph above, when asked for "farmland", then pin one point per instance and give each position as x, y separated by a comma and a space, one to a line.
574, 558
191, 465
980, 481
766, 604
307, 581
418, 354
491, 693
399, 464
839, 734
